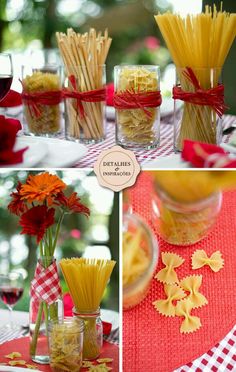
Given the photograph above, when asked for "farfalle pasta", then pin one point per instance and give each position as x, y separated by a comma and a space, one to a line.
192, 284
166, 307
200, 259
190, 323
168, 274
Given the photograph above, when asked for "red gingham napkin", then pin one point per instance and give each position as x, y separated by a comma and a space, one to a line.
222, 357
46, 285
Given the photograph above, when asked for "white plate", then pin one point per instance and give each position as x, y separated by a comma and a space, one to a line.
31, 157
172, 161
60, 153
110, 316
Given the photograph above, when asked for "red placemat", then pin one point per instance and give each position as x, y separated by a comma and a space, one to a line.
22, 346
152, 342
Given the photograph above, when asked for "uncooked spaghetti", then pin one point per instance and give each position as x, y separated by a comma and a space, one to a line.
201, 42
84, 56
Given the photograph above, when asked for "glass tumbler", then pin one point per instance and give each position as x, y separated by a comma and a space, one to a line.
85, 103
137, 128
184, 223
135, 289
42, 107
197, 122
66, 344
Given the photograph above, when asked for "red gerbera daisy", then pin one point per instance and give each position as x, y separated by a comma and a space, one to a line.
72, 203
17, 206
36, 220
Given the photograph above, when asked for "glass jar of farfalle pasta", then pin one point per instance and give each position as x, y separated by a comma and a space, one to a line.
184, 223
93, 333
66, 344
137, 101
140, 257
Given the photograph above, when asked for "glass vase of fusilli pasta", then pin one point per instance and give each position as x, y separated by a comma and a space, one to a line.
41, 96
197, 120
93, 333
137, 123
184, 223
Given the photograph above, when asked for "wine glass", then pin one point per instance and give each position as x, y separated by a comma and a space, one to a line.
6, 74
11, 290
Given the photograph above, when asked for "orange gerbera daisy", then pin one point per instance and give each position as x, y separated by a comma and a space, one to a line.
42, 187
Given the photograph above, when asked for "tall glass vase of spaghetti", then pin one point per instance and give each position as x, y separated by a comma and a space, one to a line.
41, 204
87, 280
202, 94
199, 45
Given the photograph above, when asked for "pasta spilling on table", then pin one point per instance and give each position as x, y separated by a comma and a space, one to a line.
84, 57
87, 280
201, 44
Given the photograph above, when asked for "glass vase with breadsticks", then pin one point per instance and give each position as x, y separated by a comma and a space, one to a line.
42, 97
199, 45
137, 99
84, 57
87, 280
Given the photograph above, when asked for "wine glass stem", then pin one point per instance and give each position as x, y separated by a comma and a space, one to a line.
10, 317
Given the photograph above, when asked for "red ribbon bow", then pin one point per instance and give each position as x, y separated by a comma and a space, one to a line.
96, 95
46, 285
130, 100
33, 100
213, 97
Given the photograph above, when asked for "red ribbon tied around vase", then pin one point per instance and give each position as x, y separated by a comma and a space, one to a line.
96, 95
46, 285
129, 99
213, 97
34, 100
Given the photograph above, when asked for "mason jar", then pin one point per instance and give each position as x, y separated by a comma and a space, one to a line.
93, 333
66, 344
196, 122
137, 124
185, 223
135, 291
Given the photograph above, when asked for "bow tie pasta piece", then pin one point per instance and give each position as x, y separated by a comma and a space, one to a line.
200, 259
166, 307
190, 323
168, 274
192, 284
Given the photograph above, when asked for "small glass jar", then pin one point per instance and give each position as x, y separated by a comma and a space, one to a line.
42, 102
137, 128
40, 313
135, 291
66, 344
185, 223
197, 122
85, 121
93, 333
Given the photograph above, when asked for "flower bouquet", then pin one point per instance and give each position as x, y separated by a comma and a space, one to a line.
41, 204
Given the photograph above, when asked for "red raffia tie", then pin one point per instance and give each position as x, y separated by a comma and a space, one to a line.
129, 99
96, 95
46, 284
34, 100
213, 97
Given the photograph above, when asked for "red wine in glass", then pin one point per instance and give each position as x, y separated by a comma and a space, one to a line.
5, 85
10, 295
6, 74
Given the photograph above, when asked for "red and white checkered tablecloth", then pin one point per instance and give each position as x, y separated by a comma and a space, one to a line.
143, 156
221, 358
